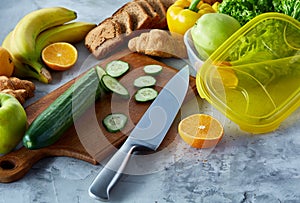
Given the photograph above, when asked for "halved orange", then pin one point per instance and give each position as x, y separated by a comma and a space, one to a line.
60, 56
200, 130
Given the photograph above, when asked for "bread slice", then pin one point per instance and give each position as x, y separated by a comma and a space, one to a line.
161, 11
155, 18
167, 3
132, 16
140, 18
107, 32
125, 21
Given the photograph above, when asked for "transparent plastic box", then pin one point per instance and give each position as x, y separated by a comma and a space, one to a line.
254, 77
193, 56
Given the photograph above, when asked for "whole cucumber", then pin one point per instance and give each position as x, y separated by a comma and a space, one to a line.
50, 125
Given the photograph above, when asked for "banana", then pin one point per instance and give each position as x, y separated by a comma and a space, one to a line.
23, 70
23, 38
30, 26
72, 32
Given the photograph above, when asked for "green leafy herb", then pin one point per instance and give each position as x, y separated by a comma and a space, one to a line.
245, 10
267, 42
288, 7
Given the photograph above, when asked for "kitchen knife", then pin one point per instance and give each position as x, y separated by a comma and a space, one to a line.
147, 134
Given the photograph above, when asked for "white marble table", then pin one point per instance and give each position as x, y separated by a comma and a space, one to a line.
242, 168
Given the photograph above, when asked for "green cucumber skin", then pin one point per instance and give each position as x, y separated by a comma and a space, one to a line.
148, 70
50, 125
110, 89
140, 99
108, 128
125, 68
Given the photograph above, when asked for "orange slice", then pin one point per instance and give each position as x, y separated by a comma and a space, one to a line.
228, 77
200, 131
60, 56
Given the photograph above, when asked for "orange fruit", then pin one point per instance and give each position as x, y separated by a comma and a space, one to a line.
200, 130
60, 56
6, 62
228, 77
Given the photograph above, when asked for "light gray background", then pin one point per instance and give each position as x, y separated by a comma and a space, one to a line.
242, 168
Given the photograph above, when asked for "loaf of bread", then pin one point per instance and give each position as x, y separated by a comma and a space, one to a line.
134, 15
161, 10
159, 43
108, 33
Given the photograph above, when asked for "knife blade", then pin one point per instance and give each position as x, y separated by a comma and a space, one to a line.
147, 134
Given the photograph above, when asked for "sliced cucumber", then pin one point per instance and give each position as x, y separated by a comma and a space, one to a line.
145, 94
114, 122
144, 81
153, 69
117, 68
100, 71
114, 86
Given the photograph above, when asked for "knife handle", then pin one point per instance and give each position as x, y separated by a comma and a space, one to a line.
111, 173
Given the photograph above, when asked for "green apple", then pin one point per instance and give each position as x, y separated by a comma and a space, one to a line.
211, 30
13, 122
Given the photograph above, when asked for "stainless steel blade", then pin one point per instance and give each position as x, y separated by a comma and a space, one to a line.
148, 133
155, 123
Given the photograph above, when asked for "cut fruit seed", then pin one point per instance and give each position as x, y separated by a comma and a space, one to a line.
114, 85
117, 68
145, 94
200, 130
60, 56
152, 69
115, 122
144, 81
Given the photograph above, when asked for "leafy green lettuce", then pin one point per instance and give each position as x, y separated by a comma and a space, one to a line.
245, 10
269, 51
268, 41
288, 7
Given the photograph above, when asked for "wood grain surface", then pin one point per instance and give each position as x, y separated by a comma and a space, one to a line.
87, 139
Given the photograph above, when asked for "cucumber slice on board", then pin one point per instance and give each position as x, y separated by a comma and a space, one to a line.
115, 122
145, 94
117, 68
153, 69
114, 86
100, 71
144, 81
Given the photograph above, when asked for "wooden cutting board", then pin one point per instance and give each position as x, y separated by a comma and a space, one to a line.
87, 139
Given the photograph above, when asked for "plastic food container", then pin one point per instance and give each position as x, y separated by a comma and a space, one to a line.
254, 77
194, 58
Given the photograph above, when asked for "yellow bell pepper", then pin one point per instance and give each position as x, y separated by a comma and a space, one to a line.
183, 14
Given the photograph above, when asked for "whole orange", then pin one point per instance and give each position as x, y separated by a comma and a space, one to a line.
6, 63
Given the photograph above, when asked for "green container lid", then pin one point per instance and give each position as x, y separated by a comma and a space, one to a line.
253, 78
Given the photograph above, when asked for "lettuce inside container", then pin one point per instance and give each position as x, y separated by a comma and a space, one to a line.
253, 78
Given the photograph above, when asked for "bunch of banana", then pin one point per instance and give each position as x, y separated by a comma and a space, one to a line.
34, 32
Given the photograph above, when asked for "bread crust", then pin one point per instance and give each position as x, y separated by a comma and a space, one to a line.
140, 18
155, 18
106, 30
132, 16
159, 43
161, 11
125, 21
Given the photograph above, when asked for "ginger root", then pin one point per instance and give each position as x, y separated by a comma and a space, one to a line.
159, 43
20, 89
